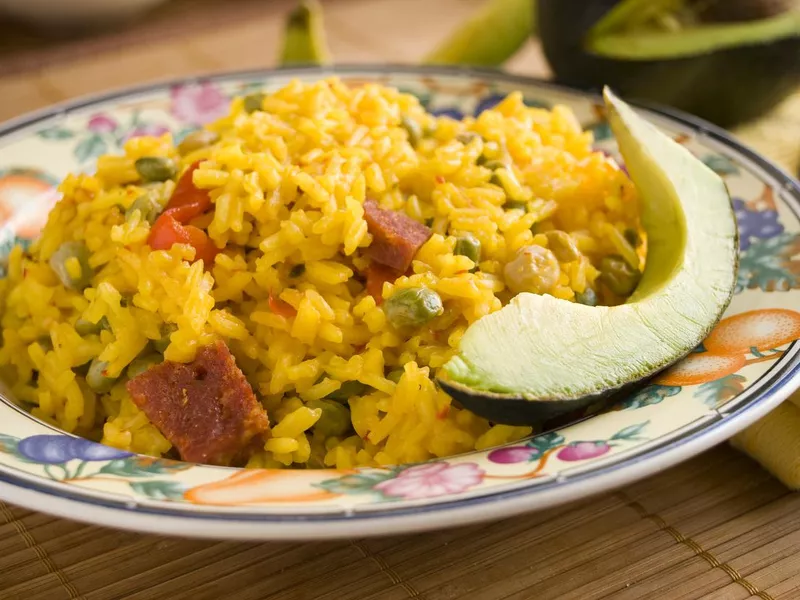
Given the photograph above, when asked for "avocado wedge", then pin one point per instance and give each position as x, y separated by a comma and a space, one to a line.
727, 61
539, 357
304, 41
489, 38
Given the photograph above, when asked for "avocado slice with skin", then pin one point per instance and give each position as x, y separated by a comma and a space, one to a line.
727, 65
490, 37
304, 41
540, 356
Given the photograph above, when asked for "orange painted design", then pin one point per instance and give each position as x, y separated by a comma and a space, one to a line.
763, 329
20, 190
530, 474
766, 201
701, 368
262, 486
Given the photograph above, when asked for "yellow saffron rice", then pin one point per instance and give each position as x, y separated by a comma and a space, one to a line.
288, 183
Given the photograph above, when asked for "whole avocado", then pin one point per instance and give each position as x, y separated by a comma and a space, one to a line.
726, 86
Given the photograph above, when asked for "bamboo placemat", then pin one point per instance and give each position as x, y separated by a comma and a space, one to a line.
715, 527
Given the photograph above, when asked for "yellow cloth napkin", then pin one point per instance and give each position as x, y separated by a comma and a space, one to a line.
774, 441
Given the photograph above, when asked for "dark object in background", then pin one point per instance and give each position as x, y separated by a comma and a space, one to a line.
726, 86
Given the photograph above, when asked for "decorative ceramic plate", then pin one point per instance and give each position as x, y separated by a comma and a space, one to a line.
719, 389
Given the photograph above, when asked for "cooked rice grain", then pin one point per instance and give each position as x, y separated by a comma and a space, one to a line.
288, 184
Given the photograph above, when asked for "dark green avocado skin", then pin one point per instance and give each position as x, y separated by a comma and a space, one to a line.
727, 87
516, 411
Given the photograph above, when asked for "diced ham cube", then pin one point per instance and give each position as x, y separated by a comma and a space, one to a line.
395, 237
206, 408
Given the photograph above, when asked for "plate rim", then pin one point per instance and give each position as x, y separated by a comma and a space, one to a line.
229, 525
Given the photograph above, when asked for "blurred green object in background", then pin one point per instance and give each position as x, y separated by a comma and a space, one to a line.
304, 39
490, 37
727, 61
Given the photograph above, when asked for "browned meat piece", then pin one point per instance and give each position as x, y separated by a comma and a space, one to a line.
395, 237
205, 408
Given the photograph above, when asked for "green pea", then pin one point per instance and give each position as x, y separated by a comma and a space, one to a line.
86, 327
254, 102
60, 260
140, 365
202, 138
97, 379
413, 130
562, 245
506, 179
297, 270
618, 275
155, 168
148, 208
493, 165
412, 307
632, 236
587, 297
470, 246
467, 137
348, 390
395, 375
46, 343
335, 418
515, 205
162, 343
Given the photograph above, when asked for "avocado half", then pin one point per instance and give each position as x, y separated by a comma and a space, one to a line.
727, 65
539, 357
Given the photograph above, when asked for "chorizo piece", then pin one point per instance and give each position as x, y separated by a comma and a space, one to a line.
395, 237
206, 408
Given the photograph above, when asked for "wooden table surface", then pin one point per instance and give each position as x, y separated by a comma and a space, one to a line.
715, 527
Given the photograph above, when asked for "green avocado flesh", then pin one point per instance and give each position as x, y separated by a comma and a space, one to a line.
540, 348
619, 35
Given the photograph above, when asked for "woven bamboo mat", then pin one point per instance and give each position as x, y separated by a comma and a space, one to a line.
715, 527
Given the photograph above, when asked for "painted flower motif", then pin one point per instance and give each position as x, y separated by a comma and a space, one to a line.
150, 129
58, 449
485, 103
720, 164
449, 111
652, 394
432, 480
488, 102
771, 264
762, 224
198, 103
102, 123
513, 454
583, 450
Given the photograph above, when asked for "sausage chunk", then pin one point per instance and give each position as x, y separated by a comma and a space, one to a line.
205, 408
377, 275
395, 237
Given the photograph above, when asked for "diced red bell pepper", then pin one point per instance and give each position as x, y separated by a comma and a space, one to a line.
279, 307
377, 275
205, 249
188, 201
167, 231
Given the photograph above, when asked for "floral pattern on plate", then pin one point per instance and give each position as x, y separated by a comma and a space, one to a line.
753, 339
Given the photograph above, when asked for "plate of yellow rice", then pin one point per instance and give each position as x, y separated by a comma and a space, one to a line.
310, 245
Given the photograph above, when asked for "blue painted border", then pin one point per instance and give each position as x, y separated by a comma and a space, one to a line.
772, 382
